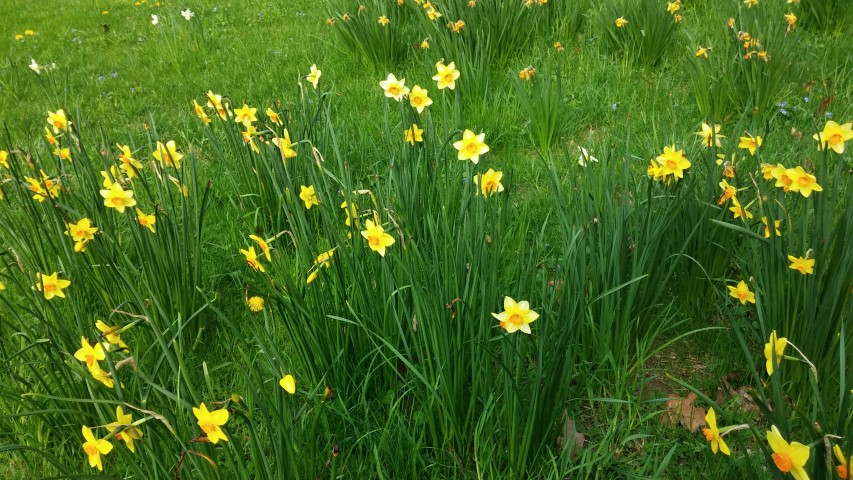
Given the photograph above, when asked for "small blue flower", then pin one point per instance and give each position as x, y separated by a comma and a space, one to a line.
807, 99
828, 114
614, 106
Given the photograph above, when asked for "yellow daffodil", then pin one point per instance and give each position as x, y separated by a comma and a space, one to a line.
621, 22
776, 224
4, 159
424, 44
43, 189
214, 101
100, 375
383, 20
712, 434
169, 154
802, 265
471, 146
527, 73
129, 164
81, 232
489, 182
249, 137
311, 277
51, 285
146, 221
394, 88
843, 462
803, 182
791, 20
245, 115
419, 99
90, 354
673, 162
285, 145
118, 198
274, 118
130, 432
210, 422
750, 143
111, 334
256, 304
314, 76
252, 259
63, 153
742, 293
834, 135
351, 213
263, 245
782, 176
58, 121
376, 237
739, 211
728, 192
309, 196
789, 458
433, 14
702, 52
48, 136
710, 136
94, 448
200, 113
516, 316
456, 26
324, 258
414, 134
776, 346
288, 383
446, 76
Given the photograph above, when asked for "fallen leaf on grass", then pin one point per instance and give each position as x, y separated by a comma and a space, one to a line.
681, 411
570, 432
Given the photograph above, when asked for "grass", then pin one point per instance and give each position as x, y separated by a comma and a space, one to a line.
627, 274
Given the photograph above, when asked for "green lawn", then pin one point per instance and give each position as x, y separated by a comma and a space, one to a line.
402, 369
